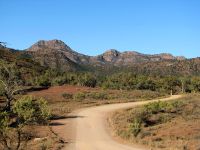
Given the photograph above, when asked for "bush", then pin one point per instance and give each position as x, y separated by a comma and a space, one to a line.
27, 110
79, 96
67, 96
155, 107
91, 82
24, 57
135, 127
153, 113
3, 120
30, 110
87, 80
96, 95
43, 81
59, 81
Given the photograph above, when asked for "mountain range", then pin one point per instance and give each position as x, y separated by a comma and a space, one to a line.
57, 55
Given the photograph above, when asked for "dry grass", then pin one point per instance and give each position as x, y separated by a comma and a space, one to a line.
92, 97
178, 129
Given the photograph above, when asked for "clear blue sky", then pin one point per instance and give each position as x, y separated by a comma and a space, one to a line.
93, 26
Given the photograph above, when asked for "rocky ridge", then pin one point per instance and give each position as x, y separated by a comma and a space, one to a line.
55, 53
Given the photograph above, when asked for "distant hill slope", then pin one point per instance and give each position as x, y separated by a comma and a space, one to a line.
112, 56
26, 66
57, 55
129, 58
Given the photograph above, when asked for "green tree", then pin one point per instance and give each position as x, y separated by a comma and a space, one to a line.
170, 84
9, 83
43, 81
30, 110
27, 111
196, 84
87, 79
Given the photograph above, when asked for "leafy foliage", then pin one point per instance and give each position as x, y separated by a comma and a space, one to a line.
67, 96
146, 115
98, 95
30, 110
3, 121
79, 96
27, 110
135, 127
43, 81
9, 82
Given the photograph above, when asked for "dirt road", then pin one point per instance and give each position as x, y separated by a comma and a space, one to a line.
88, 128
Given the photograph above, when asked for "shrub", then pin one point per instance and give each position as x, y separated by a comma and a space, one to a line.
86, 79
30, 110
156, 112
135, 127
155, 107
91, 82
67, 96
173, 106
96, 95
59, 81
79, 96
27, 110
3, 120
43, 81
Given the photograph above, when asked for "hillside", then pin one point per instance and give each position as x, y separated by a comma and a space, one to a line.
24, 63
57, 55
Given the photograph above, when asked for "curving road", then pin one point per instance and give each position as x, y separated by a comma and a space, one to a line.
89, 128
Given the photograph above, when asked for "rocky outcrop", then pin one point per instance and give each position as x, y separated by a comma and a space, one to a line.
56, 54
129, 58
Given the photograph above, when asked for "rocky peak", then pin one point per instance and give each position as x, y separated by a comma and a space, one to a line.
57, 53
51, 44
166, 56
111, 52
110, 55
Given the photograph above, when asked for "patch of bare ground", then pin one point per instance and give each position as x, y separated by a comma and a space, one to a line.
42, 137
174, 125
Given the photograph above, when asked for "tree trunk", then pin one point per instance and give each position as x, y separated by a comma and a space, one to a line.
183, 87
9, 98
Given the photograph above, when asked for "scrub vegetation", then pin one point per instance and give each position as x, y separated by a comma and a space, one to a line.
166, 125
